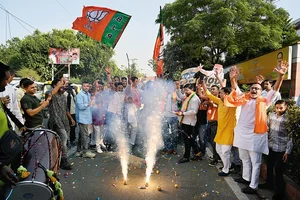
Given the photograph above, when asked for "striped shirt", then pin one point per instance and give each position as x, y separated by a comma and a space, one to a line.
279, 140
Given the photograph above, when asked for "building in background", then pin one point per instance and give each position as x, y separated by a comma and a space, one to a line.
297, 24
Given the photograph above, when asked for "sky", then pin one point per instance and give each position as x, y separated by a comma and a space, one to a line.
137, 40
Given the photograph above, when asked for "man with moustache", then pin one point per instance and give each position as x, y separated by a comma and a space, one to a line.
188, 119
250, 133
58, 120
268, 87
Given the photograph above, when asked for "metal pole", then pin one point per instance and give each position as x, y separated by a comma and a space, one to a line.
128, 64
69, 71
52, 70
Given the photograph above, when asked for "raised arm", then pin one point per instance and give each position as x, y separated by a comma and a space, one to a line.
281, 72
233, 77
222, 82
178, 91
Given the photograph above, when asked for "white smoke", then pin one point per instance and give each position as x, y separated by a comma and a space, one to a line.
153, 100
122, 144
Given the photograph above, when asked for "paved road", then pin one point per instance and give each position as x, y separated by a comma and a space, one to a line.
101, 178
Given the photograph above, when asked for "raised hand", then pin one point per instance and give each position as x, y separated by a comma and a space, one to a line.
199, 68
259, 79
107, 70
282, 69
216, 73
233, 72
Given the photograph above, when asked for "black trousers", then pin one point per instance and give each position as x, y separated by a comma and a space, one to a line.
72, 130
189, 140
275, 163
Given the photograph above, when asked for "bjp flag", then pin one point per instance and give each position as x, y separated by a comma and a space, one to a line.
102, 24
158, 48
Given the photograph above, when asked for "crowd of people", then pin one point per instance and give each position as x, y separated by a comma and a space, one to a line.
233, 124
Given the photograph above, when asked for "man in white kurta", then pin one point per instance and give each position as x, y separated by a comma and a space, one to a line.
12, 105
252, 144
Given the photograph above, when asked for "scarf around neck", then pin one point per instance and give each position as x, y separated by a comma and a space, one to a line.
260, 126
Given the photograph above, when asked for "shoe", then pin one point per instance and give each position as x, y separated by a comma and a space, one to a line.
78, 154
241, 180
65, 164
265, 186
184, 160
98, 149
213, 163
223, 174
196, 158
211, 158
248, 190
89, 154
103, 147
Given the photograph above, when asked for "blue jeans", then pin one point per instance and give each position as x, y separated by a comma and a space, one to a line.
170, 133
202, 138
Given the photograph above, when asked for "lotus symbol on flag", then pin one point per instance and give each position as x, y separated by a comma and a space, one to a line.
95, 16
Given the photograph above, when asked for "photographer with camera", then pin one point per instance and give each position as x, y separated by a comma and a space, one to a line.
70, 95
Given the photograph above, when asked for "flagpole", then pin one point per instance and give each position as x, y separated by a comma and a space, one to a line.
128, 64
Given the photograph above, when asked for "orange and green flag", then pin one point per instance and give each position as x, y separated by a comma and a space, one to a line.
102, 24
158, 48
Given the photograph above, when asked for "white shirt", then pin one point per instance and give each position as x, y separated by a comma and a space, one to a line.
116, 103
170, 106
190, 115
73, 105
244, 136
13, 105
276, 96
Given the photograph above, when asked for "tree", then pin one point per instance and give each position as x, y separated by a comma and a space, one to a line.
212, 31
32, 52
133, 70
28, 73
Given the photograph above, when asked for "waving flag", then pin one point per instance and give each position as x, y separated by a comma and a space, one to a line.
102, 24
158, 48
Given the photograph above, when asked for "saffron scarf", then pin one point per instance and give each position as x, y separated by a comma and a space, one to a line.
260, 126
186, 103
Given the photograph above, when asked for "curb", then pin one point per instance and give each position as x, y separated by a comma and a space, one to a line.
292, 189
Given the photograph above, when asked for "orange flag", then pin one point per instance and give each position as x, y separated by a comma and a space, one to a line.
158, 48
102, 24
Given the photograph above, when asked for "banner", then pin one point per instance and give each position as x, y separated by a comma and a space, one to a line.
158, 48
187, 77
64, 56
102, 24
264, 66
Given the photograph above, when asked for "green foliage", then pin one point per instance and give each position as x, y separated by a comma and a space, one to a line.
209, 31
133, 70
29, 73
293, 127
32, 52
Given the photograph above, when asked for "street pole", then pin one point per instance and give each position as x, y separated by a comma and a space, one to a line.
52, 70
128, 64
69, 71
